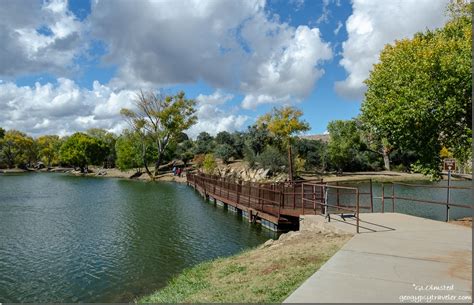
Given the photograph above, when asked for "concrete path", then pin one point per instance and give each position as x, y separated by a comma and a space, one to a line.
397, 258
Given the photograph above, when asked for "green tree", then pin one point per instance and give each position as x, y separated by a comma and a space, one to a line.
109, 139
204, 143
82, 150
238, 139
224, 152
17, 149
284, 123
184, 151
314, 152
161, 119
344, 143
129, 151
273, 159
49, 146
2, 133
256, 139
224, 137
419, 95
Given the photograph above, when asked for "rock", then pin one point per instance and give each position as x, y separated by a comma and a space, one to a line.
102, 172
289, 236
268, 243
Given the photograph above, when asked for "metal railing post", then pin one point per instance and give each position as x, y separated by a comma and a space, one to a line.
448, 196
357, 210
371, 197
393, 198
383, 197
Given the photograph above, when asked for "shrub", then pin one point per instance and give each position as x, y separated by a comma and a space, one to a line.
224, 152
209, 164
249, 156
273, 159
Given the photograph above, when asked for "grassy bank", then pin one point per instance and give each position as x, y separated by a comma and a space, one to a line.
267, 274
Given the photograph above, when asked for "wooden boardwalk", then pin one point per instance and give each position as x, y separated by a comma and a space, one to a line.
281, 204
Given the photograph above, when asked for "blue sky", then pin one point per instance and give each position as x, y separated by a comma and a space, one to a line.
69, 66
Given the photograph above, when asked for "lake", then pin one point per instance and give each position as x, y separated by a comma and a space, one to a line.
426, 210
77, 239
82, 239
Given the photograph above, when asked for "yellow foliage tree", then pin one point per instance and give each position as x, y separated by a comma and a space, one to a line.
284, 123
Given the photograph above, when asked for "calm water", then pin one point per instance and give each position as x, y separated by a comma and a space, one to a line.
427, 210
74, 239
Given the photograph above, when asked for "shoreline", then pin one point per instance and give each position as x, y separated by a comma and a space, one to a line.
265, 274
382, 176
100, 173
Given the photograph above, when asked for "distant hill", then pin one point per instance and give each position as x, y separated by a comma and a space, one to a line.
320, 137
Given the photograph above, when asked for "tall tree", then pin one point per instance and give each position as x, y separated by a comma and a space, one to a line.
204, 143
129, 151
419, 95
344, 143
17, 149
109, 139
161, 119
284, 123
48, 146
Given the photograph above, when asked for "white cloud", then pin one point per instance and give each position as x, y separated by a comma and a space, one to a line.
27, 49
287, 69
62, 108
376, 23
232, 45
65, 108
217, 98
212, 119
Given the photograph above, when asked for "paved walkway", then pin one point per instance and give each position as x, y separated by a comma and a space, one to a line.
397, 258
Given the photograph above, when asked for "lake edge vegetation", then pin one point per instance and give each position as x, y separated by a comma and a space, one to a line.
267, 274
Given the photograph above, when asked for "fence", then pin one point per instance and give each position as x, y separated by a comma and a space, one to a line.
394, 197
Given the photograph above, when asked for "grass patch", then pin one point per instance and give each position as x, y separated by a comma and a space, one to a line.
267, 274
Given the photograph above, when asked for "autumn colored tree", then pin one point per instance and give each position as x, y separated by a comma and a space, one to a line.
49, 146
284, 123
17, 149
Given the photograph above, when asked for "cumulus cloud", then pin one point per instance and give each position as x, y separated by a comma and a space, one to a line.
376, 23
62, 108
212, 118
286, 67
216, 98
234, 45
37, 37
229, 44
